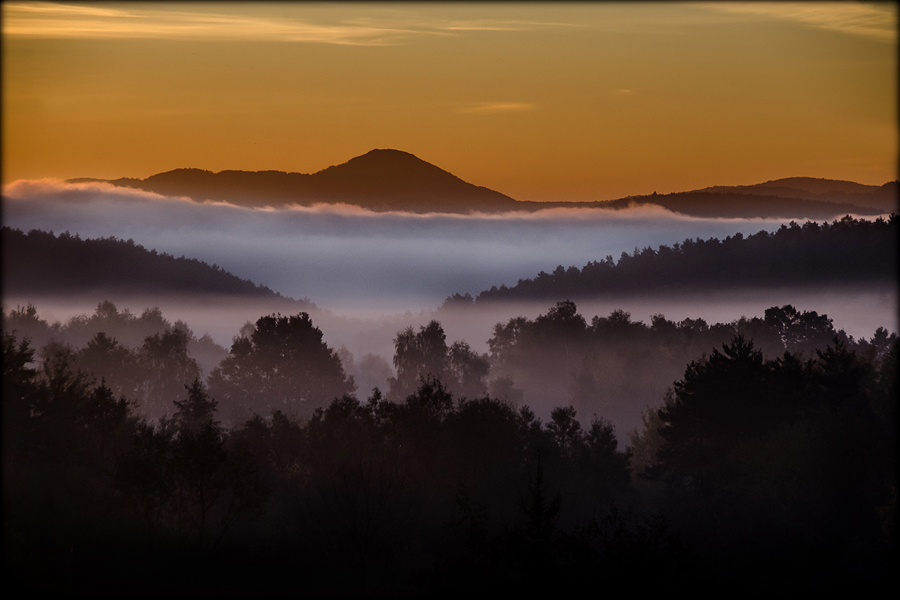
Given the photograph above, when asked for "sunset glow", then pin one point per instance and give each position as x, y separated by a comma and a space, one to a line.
540, 102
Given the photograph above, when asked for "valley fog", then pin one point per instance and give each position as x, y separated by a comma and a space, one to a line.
372, 275
355, 261
858, 313
365, 342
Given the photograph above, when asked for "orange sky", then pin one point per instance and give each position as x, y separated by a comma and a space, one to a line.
541, 102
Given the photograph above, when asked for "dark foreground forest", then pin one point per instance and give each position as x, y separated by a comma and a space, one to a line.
770, 463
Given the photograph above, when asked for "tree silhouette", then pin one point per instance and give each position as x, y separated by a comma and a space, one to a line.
721, 401
167, 368
538, 529
189, 485
425, 356
419, 356
107, 360
283, 365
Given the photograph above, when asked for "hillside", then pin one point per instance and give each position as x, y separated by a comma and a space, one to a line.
845, 252
883, 197
38, 262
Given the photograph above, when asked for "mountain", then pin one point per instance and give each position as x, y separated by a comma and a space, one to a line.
395, 180
39, 262
379, 180
384, 180
884, 197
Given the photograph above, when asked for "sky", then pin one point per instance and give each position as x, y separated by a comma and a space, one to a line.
583, 101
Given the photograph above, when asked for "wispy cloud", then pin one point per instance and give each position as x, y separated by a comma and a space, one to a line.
52, 8
68, 21
56, 20
496, 25
494, 108
876, 21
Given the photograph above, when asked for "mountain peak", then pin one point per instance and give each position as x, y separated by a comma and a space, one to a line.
386, 162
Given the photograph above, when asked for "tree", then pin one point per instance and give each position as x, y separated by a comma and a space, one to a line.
800, 331
424, 355
184, 478
18, 382
167, 368
418, 356
469, 371
283, 365
107, 360
721, 401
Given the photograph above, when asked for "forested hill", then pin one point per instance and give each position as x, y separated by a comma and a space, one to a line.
41, 262
848, 251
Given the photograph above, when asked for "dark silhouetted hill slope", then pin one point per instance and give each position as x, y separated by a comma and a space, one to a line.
38, 262
844, 252
883, 197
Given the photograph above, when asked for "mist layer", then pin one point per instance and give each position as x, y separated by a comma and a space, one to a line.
354, 260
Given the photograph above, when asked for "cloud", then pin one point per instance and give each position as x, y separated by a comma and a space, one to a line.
879, 22
493, 108
69, 21
61, 9
496, 25
56, 20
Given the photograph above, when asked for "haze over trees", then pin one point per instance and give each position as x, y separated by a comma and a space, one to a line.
282, 365
425, 356
847, 251
777, 456
145, 358
765, 445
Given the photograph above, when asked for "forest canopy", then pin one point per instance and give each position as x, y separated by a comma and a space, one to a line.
776, 460
846, 251
41, 262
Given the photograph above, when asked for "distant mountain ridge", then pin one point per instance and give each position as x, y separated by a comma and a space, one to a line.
379, 180
883, 197
386, 180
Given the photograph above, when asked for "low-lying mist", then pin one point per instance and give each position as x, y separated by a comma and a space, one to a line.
366, 345
374, 274
858, 312
351, 260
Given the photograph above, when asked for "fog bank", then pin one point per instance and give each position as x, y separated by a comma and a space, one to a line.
374, 274
352, 260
